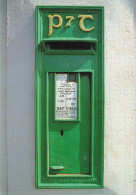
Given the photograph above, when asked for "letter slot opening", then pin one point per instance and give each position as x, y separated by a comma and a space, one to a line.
69, 47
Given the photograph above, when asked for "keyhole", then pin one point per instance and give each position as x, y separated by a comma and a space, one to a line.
61, 133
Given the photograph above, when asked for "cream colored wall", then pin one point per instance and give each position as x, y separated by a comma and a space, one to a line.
135, 99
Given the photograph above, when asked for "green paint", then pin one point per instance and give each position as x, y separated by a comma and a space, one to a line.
69, 152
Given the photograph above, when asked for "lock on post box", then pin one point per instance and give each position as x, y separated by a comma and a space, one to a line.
69, 92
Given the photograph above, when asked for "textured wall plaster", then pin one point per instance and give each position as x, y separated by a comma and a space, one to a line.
119, 97
135, 100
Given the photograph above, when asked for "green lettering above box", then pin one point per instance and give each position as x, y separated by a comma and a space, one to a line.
69, 97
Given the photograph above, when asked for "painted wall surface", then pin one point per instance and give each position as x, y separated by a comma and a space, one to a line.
120, 96
135, 98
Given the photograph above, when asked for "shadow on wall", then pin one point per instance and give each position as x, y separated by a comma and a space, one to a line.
3, 99
135, 16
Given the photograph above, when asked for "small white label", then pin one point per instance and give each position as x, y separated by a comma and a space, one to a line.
66, 98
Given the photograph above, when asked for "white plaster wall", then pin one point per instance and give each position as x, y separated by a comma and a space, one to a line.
135, 100
119, 97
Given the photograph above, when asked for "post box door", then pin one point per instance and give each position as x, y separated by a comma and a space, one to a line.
70, 125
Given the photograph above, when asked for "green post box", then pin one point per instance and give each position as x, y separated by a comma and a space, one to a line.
69, 97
